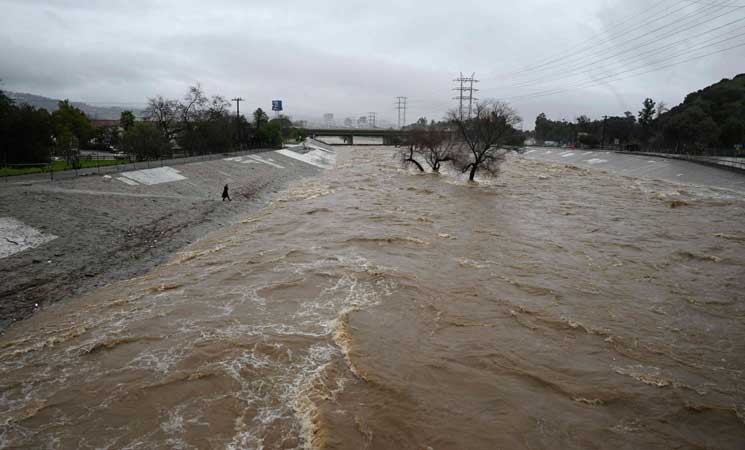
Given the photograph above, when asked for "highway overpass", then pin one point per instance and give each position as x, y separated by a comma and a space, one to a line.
389, 136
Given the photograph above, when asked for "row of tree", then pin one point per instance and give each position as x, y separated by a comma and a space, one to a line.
200, 125
471, 144
194, 125
615, 130
29, 135
712, 118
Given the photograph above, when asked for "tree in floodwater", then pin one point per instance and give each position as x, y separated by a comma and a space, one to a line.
407, 156
435, 145
483, 135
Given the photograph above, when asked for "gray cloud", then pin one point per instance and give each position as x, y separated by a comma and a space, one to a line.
346, 57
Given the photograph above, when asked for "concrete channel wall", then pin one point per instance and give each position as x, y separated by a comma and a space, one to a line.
640, 164
721, 161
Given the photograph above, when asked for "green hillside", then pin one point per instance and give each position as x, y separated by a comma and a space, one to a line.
713, 116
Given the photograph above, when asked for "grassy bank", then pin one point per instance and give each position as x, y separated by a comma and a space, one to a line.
58, 166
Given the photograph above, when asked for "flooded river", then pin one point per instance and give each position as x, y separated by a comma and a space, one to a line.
374, 308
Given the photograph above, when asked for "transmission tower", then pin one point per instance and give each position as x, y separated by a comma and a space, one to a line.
371, 119
401, 106
465, 91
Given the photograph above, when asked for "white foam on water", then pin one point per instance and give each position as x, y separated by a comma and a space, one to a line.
15, 237
157, 175
596, 161
567, 154
317, 157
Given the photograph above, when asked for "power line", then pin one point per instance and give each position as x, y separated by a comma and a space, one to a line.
553, 58
612, 78
590, 43
572, 70
728, 5
597, 47
690, 22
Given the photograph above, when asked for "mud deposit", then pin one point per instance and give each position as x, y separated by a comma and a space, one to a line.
373, 308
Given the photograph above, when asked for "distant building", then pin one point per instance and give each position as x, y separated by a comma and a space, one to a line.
301, 123
362, 122
328, 119
349, 122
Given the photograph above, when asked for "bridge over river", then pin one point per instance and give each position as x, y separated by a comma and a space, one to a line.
389, 136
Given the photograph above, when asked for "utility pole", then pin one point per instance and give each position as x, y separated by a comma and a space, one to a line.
465, 91
371, 118
602, 142
238, 101
401, 106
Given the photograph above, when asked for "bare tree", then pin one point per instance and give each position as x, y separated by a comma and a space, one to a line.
661, 109
436, 146
165, 113
217, 107
407, 157
174, 118
193, 107
430, 144
483, 135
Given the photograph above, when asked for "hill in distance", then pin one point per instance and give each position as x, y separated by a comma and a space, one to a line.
50, 104
715, 115
722, 101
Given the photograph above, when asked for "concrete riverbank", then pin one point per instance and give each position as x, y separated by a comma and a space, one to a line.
63, 238
638, 165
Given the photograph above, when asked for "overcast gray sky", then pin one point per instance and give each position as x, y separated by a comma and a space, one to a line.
350, 57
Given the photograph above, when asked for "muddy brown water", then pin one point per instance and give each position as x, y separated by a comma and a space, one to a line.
373, 308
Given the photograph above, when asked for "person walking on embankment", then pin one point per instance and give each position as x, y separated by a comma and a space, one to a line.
225, 194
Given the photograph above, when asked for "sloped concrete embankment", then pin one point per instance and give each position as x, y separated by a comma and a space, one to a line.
66, 237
